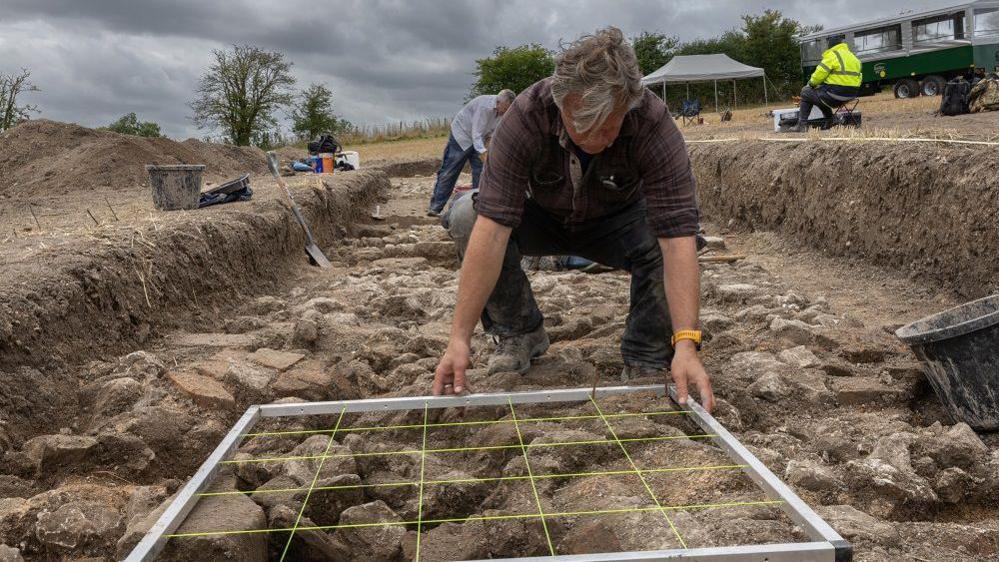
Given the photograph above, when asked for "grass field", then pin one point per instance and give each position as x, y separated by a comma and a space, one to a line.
884, 116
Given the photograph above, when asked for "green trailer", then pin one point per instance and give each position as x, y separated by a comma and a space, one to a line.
916, 53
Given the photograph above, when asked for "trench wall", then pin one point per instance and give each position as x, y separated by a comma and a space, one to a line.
930, 210
108, 298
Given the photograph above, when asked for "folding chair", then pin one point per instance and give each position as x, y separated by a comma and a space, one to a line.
843, 114
690, 110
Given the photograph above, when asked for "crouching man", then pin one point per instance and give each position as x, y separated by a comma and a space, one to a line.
588, 163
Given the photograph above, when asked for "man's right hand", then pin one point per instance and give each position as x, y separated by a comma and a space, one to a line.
450, 375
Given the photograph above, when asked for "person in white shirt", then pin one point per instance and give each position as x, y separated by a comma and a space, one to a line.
469, 130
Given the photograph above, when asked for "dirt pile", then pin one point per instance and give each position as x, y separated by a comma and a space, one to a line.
926, 209
46, 158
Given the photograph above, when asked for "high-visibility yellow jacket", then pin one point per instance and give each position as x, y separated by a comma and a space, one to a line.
839, 67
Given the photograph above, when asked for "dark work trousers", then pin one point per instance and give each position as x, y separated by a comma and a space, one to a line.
622, 240
826, 97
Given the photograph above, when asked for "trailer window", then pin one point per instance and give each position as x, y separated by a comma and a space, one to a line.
879, 40
811, 51
938, 28
987, 21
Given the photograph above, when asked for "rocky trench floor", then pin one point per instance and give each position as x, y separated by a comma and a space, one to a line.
836, 407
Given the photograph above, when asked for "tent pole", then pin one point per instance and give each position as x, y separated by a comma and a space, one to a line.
688, 90
735, 96
664, 90
766, 102
716, 96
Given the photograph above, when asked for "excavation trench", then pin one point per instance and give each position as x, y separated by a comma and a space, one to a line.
828, 400
925, 209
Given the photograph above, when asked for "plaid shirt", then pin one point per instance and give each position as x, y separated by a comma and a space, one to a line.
531, 156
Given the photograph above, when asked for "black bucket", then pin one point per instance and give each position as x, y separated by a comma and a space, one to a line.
959, 349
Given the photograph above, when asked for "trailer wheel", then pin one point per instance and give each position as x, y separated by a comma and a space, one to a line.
932, 85
905, 89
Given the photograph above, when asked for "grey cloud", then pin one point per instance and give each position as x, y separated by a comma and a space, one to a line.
386, 60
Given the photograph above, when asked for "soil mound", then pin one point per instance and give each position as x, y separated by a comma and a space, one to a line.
47, 158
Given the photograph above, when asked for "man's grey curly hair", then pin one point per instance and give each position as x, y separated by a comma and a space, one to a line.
602, 69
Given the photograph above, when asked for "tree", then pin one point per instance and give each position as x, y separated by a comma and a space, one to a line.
12, 86
770, 43
130, 125
513, 69
314, 115
241, 92
653, 50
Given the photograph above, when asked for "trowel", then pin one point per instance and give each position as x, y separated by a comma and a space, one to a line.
316, 256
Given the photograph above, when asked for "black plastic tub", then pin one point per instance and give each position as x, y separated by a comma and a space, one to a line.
959, 349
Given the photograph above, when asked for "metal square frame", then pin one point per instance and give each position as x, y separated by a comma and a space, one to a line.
826, 545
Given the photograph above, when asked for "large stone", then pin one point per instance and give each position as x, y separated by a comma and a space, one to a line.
854, 524
279, 360
812, 476
375, 543
792, 330
306, 546
715, 242
738, 292
142, 365
953, 485
329, 461
249, 382
751, 365
770, 386
889, 481
855, 391
10, 554
206, 392
213, 513
308, 380
235, 341
50, 453
799, 357
959, 446
117, 396
70, 526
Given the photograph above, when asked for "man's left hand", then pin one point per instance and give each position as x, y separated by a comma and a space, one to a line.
687, 370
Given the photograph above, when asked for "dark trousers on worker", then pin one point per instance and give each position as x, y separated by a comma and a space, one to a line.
451, 165
622, 240
826, 97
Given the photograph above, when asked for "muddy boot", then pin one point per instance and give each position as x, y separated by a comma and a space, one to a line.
630, 372
514, 353
801, 127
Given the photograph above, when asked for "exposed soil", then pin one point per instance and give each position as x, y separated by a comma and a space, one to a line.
928, 211
41, 159
808, 376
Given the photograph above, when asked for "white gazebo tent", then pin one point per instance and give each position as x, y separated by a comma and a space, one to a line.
684, 69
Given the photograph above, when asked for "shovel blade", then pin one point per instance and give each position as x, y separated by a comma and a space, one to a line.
317, 256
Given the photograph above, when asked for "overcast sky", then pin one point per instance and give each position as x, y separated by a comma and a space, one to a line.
385, 60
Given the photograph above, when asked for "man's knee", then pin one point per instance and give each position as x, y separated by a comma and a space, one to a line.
460, 219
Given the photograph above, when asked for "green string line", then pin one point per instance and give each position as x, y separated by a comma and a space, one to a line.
648, 488
471, 449
530, 476
423, 466
466, 423
482, 480
329, 445
623, 511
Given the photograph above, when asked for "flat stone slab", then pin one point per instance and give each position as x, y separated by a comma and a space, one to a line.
275, 359
206, 392
241, 341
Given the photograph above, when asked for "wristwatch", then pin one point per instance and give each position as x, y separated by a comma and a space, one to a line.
692, 335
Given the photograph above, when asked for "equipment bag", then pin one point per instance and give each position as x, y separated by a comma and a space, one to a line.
325, 144
955, 97
985, 95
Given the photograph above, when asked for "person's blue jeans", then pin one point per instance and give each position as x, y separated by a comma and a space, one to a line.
451, 166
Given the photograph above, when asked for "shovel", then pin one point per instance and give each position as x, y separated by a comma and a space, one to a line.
316, 256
